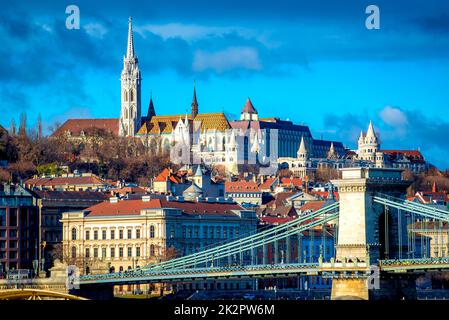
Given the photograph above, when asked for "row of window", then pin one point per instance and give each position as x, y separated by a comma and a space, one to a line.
245, 195
113, 252
112, 234
208, 232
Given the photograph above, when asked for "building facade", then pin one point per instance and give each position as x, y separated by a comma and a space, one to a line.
118, 235
19, 229
368, 154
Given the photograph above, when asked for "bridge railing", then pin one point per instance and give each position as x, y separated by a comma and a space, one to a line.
250, 243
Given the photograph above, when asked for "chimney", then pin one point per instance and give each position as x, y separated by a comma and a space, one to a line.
113, 199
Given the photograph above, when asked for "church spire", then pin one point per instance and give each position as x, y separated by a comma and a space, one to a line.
194, 102
130, 47
151, 110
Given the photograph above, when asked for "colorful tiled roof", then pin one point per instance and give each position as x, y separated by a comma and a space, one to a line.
165, 124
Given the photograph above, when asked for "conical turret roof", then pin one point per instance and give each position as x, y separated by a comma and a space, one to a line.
248, 107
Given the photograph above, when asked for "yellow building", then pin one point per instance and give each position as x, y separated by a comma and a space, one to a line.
118, 235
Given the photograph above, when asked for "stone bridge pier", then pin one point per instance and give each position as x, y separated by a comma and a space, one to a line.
368, 233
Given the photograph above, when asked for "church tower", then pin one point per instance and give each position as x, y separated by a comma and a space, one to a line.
130, 115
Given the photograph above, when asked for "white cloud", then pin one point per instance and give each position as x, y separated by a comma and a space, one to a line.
227, 59
190, 32
393, 116
96, 30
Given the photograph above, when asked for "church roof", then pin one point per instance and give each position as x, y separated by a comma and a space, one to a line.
75, 126
216, 120
165, 124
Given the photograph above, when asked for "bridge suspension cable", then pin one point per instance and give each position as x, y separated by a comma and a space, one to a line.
256, 240
409, 206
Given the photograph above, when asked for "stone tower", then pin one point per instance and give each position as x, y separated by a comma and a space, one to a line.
130, 115
363, 235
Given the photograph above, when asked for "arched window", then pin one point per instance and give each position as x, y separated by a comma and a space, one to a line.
152, 250
152, 231
73, 233
131, 95
73, 252
125, 95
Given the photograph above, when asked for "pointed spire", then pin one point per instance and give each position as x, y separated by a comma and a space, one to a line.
198, 172
151, 110
434, 186
130, 47
331, 153
361, 136
194, 102
370, 133
302, 148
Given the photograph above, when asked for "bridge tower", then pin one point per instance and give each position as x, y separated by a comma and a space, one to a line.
366, 232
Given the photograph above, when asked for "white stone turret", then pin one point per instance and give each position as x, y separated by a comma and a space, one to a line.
302, 151
368, 145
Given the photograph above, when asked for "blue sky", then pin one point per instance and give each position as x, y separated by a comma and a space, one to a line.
313, 63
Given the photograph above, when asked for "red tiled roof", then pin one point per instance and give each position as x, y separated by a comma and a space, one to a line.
167, 175
279, 199
282, 211
135, 190
297, 182
267, 183
312, 206
241, 186
408, 153
62, 181
133, 207
276, 220
324, 194
75, 126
